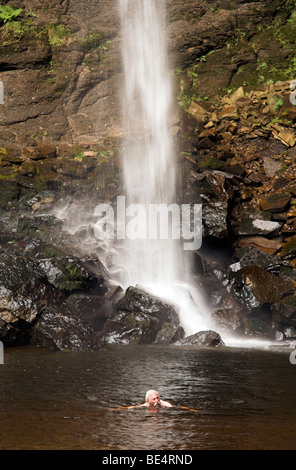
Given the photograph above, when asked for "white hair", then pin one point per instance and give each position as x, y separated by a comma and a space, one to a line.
149, 393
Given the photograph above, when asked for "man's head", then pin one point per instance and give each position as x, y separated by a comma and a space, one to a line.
152, 397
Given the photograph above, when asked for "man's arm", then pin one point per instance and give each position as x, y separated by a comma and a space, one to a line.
166, 403
137, 406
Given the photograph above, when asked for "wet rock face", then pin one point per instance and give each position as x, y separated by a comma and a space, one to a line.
229, 321
214, 191
264, 287
136, 299
52, 299
258, 221
58, 328
36, 280
18, 310
203, 339
142, 319
34, 311
61, 125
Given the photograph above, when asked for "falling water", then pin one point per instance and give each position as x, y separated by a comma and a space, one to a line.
149, 163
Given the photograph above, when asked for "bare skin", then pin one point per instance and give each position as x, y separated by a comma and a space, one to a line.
153, 403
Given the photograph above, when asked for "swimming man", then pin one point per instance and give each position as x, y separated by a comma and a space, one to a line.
153, 401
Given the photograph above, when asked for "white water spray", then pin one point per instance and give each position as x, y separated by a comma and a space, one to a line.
149, 163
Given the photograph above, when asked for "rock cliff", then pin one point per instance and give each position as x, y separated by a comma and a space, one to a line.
233, 126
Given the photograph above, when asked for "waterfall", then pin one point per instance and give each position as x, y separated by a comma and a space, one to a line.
148, 161
144, 251
151, 260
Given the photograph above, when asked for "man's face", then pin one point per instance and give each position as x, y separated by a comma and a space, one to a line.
154, 399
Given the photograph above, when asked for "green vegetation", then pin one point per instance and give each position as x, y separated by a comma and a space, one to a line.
8, 177
58, 34
285, 32
11, 33
78, 157
7, 13
14, 29
71, 277
95, 41
208, 78
278, 103
3, 152
191, 76
51, 252
274, 68
106, 155
92, 41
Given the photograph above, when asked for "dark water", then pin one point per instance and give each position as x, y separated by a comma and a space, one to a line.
55, 400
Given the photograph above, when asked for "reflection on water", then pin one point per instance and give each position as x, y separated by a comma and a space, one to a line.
55, 400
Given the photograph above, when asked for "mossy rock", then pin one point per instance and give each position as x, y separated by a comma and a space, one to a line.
288, 273
284, 312
44, 251
9, 193
257, 327
289, 248
67, 274
128, 328
137, 301
251, 255
212, 164
169, 333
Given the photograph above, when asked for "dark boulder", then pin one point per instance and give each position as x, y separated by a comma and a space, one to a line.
203, 339
264, 296
67, 273
142, 318
138, 301
257, 327
214, 191
127, 327
254, 256
33, 308
228, 320
18, 309
58, 328
257, 223
91, 309
255, 287
139, 328
284, 312
215, 219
